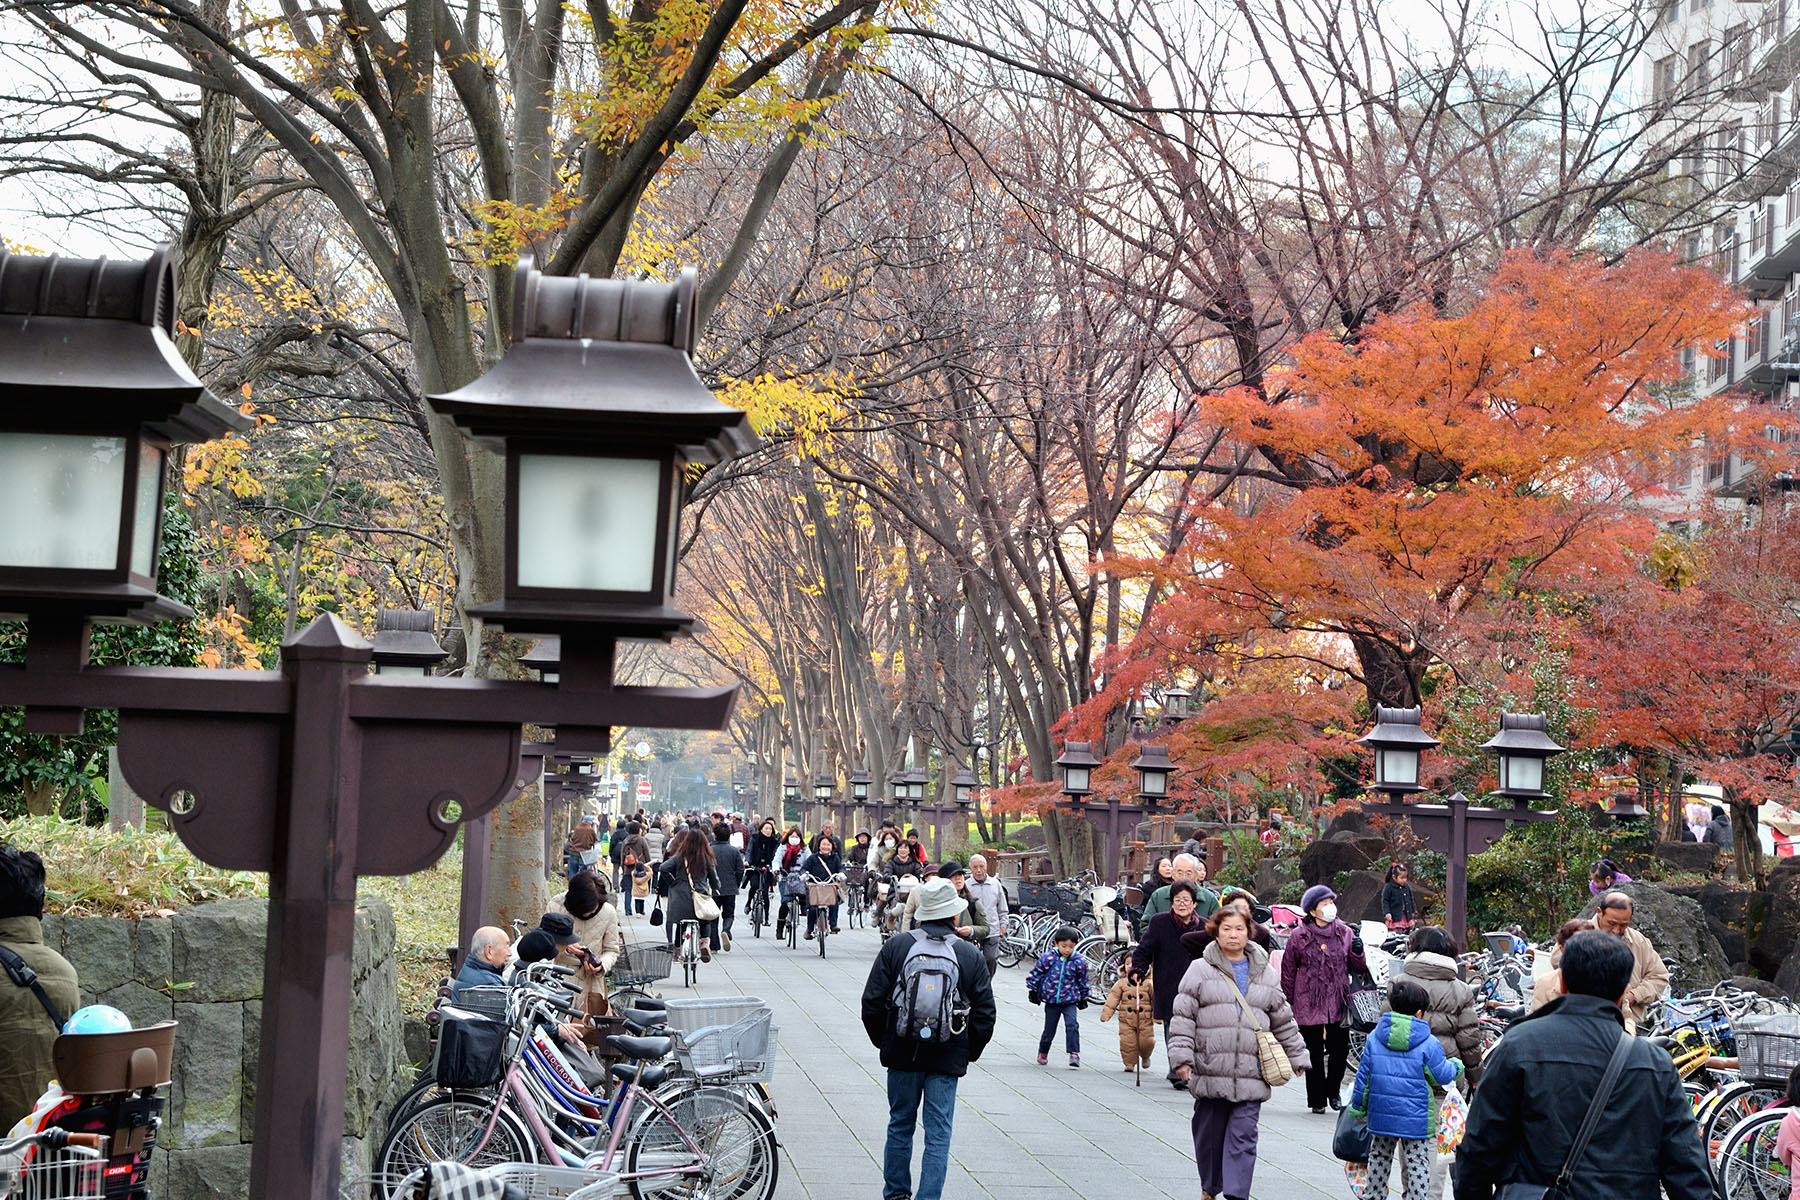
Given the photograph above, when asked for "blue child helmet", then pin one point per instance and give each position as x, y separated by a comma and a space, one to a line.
98, 1018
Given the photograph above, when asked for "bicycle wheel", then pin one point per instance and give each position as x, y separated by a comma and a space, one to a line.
824, 928
1013, 943
1747, 1166
1094, 950
737, 1157
1735, 1103
759, 910
450, 1129
794, 916
626, 997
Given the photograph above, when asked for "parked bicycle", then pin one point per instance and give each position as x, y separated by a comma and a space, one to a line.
54, 1164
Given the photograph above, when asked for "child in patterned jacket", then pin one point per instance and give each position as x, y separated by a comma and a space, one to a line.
1059, 982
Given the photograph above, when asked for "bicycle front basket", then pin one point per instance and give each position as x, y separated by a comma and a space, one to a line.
644, 962
471, 1052
1768, 1047
743, 1050
821, 895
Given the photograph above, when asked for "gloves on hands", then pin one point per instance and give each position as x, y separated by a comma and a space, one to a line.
1082, 1003
1356, 945
1034, 997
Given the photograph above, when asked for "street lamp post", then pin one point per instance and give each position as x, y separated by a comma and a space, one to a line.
1454, 828
1078, 762
859, 796
962, 794
322, 772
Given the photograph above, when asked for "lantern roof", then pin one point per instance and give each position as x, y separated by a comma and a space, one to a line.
404, 635
1077, 754
1154, 758
87, 345
1523, 733
600, 360
1398, 729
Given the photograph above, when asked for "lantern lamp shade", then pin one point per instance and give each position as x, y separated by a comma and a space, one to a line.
897, 785
96, 394
1397, 739
791, 790
1154, 769
405, 642
823, 787
859, 786
597, 409
1077, 764
916, 780
963, 785
1523, 746
1175, 701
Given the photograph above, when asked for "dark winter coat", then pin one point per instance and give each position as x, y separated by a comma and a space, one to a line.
1315, 971
1453, 1013
672, 882
1393, 1087
1538, 1083
762, 849
1059, 980
1210, 1032
728, 862
1397, 902
1718, 833
974, 987
819, 868
1161, 956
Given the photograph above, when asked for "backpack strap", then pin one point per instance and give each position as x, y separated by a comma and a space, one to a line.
23, 976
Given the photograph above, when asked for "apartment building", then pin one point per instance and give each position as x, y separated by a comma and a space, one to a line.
1727, 74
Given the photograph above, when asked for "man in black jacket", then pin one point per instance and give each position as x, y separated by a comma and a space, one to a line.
924, 1072
1538, 1082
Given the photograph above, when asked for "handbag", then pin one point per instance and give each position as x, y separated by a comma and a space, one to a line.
1560, 1189
656, 917
1276, 1069
705, 907
1350, 1141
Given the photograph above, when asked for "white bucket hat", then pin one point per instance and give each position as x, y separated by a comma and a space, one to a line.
938, 900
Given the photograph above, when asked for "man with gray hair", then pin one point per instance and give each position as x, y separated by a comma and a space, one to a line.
990, 893
489, 951
1190, 868
1649, 977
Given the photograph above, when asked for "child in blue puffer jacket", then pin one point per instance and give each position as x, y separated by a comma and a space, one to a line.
1060, 983
1401, 1063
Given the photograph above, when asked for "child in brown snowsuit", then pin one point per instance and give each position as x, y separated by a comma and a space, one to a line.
1137, 1019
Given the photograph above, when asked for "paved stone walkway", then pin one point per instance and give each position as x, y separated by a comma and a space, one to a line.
1023, 1132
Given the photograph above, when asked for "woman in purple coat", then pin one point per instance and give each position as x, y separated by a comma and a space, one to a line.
1315, 975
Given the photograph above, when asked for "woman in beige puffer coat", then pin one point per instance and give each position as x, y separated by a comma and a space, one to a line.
1453, 1013
1212, 1046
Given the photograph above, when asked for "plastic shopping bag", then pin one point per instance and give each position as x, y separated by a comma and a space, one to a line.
1453, 1120
1356, 1175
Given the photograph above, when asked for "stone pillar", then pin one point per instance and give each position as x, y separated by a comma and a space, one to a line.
124, 806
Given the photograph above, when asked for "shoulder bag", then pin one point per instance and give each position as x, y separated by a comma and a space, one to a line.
705, 907
1560, 1189
1270, 1056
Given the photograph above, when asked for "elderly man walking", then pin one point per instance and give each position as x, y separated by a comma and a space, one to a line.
1649, 977
1541, 1081
1190, 868
987, 891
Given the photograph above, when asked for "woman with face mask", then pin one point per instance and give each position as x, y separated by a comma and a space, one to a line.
1315, 975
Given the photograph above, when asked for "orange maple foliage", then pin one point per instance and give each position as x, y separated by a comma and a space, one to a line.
1407, 488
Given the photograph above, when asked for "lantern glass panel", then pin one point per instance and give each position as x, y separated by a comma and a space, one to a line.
1521, 773
1075, 779
859, 792
1153, 783
409, 670
61, 493
588, 524
1396, 766
148, 514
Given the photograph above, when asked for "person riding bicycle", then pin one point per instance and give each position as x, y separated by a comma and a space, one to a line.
760, 858
820, 866
905, 862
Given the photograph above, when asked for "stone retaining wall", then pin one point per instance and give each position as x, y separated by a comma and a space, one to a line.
203, 967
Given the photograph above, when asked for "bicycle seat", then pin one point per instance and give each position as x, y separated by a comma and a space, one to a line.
650, 1003
640, 1047
645, 1018
652, 1078
1511, 1014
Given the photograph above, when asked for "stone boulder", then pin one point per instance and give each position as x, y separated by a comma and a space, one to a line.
1688, 856
1272, 875
1354, 821
1359, 897
1677, 927
1735, 916
1778, 937
1787, 980
1762, 987
1323, 860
